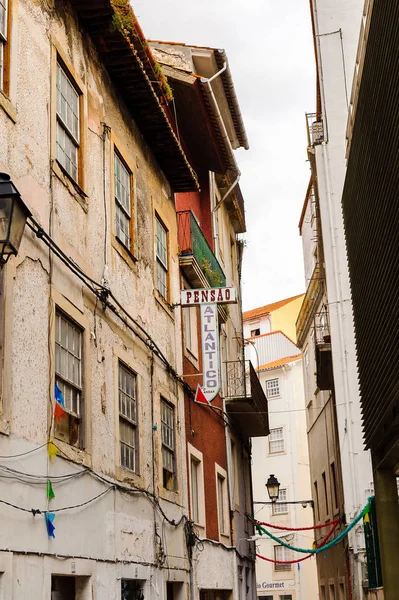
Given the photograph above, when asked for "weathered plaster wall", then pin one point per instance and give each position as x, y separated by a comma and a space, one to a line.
116, 527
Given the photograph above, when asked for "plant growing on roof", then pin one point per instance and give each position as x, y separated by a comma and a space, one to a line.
124, 20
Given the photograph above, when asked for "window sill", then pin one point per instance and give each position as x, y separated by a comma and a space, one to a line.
8, 107
194, 360
74, 189
81, 457
124, 252
164, 304
128, 477
169, 495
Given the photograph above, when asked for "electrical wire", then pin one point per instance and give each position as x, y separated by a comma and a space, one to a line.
23, 453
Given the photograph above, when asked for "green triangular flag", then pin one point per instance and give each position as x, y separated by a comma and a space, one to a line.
50, 493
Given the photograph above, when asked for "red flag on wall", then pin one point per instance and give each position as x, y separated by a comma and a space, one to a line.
200, 396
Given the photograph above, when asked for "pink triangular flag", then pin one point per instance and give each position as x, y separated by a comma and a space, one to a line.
200, 396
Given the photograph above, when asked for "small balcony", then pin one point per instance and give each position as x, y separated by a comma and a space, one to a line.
314, 126
324, 372
197, 260
245, 399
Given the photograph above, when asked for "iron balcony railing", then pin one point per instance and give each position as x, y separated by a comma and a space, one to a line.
315, 129
192, 242
322, 326
242, 382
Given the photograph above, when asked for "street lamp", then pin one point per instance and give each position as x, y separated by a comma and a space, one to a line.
273, 488
13, 215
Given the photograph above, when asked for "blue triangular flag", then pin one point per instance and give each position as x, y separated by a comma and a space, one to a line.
49, 518
58, 395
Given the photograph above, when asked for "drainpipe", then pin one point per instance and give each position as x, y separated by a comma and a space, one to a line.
225, 135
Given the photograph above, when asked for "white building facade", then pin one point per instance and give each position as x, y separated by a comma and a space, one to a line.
285, 454
336, 29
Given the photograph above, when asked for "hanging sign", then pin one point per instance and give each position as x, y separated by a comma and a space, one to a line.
210, 351
208, 296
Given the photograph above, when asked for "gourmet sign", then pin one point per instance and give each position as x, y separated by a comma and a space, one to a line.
209, 296
210, 351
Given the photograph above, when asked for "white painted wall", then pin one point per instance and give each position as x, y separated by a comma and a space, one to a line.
291, 467
336, 55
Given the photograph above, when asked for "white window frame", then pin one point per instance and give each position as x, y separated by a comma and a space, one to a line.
63, 128
282, 553
222, 501
273, 388
279, 508
197, 457
190, 317
123, 200
128, 417
272, 448
161, 258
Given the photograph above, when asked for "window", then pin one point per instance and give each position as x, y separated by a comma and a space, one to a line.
341, 591
195, 475
323, 475
3, 42
334, 484
68, 124
285, 597
331, 591
322, 592
280, 509
316, 493
122, 192
272, 388
161, 253
282, 553
168, 445
131, 589
307, 378
276, 440
127, 392
68, 587
255, 332
221, 495
191, 330
68, 377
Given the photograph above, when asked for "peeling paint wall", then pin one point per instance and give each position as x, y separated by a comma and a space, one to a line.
118, 535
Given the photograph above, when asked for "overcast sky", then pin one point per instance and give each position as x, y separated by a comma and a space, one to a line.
270, 51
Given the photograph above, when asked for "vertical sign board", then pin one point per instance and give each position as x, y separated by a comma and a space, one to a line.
210, 350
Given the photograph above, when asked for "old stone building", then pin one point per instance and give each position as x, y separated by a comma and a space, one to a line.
96, 471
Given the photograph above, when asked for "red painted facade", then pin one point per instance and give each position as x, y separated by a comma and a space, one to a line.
199, 204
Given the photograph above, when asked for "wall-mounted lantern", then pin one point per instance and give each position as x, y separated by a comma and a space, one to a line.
13, 215
273, 488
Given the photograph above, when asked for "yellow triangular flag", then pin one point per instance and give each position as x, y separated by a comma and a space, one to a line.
366, 518
52, 449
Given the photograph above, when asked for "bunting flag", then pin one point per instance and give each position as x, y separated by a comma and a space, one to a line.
50, 492
52, 449
49, 518
200, 396
58, 395
59, 412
